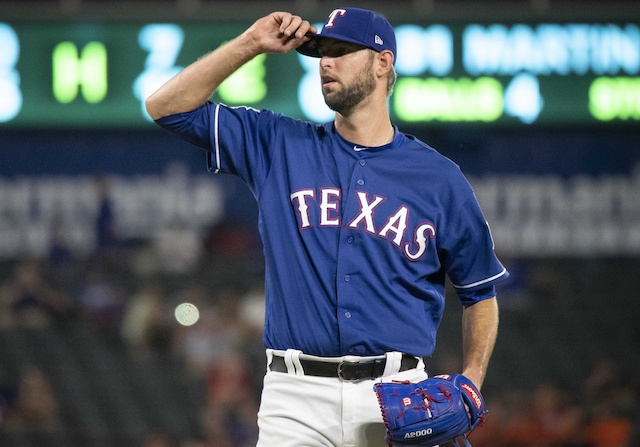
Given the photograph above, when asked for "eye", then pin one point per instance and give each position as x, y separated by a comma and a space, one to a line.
336, 50
328, 51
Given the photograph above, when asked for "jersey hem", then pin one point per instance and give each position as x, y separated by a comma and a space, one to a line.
484, 281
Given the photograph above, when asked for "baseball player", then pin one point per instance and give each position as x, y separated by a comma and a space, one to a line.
360, 224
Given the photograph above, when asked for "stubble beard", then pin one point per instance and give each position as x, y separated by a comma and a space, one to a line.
353, 94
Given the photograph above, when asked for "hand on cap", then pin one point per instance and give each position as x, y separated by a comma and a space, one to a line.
279, 32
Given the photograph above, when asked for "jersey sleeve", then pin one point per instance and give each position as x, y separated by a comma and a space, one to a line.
191, 126
467, 249
239, 140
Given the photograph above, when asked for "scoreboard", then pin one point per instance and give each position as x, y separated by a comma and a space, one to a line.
98, 74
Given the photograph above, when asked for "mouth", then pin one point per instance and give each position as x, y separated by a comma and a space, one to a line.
327, 81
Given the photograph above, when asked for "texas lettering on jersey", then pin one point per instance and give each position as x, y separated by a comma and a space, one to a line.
330, 215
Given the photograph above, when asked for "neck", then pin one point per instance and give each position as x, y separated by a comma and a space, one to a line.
366, 124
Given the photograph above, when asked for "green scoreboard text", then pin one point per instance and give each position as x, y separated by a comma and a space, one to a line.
98, 74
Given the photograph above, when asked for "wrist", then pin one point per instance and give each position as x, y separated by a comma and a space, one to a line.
247, 46
476, 377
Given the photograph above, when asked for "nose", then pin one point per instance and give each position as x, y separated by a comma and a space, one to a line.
326, 61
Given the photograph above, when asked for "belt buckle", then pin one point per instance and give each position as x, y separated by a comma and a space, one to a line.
348, 361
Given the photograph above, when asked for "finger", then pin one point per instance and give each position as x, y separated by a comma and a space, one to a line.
304, 30
284, 18
295, 42
295, 25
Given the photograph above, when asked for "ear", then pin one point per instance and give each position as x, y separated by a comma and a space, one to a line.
385, 63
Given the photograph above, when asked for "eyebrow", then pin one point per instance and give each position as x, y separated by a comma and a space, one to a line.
334, 45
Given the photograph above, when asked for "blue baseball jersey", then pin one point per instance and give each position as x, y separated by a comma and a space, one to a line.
357, 240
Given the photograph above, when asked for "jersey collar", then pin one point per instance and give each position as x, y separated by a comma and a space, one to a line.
397, 139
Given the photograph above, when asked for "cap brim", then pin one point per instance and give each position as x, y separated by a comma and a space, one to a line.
310, 47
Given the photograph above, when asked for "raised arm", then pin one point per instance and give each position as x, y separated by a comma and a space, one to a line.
279, 32
479, 332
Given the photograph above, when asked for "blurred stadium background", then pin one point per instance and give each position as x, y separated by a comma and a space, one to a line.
107, 223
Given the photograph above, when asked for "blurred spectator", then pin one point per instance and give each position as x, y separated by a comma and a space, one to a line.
490, 432
105, 224
36, 405
7, 318
519, 428
550, 285
230, 413
147, 324
218, 332
251, 309
229, 239
251, 313
157, 439
31, 299
609, 430
60, 254
7, 394
558, 420
229, 417
543, 418
195, 442
100, 299
233, 252
608, 378
178, 248
611, 399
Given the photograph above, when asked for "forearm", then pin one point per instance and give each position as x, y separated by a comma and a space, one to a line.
279, 32
193, 86
479, 332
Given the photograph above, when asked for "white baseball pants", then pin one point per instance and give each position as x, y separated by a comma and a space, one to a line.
297, 410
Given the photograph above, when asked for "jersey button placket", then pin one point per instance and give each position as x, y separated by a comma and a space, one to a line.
360, 173
347, 268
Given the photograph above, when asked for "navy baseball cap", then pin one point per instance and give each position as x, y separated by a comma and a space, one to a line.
354, 25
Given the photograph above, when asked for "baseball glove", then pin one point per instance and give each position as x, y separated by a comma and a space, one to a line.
432, 412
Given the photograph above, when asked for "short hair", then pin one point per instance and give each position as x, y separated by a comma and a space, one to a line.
391, 80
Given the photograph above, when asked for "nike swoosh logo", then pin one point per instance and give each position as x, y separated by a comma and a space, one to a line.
359, 148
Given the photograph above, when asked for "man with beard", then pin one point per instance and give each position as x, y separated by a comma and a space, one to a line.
360, 225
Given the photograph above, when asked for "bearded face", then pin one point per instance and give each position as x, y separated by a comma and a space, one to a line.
342, 94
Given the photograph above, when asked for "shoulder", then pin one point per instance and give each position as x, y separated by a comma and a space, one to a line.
435, 171
430, 157
265, 115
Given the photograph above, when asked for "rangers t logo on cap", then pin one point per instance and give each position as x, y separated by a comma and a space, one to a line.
332, 17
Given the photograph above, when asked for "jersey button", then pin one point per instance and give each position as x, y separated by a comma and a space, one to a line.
347, 314
347, 278
350, 240
360, 182
363, 162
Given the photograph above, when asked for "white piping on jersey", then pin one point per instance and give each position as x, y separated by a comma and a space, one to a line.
215, 137
478, 283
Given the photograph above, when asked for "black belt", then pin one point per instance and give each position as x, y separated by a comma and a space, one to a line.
350, 370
